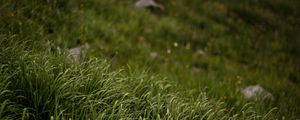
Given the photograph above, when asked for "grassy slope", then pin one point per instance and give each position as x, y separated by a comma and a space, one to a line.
246, 43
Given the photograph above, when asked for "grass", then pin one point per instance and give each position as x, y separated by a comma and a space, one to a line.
245, 43
43, 86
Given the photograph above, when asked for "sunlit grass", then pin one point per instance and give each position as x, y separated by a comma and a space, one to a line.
42, 86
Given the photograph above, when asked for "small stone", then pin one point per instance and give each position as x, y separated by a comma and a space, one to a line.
153, 55
200, 52
195, 70
78, 53
147, 4
257, 92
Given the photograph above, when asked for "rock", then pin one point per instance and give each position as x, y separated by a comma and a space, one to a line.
257, 92
195, 70
153, 55
148, 4
200, 52
78, 53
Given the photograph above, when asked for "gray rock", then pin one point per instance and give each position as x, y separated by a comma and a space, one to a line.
256, 92
78, 53
147, 4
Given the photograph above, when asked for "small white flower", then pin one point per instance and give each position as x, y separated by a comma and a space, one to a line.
169, 51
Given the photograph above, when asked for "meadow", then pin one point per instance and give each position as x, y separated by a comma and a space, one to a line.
189, 61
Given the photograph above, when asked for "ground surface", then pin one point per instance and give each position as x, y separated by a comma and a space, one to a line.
189, 61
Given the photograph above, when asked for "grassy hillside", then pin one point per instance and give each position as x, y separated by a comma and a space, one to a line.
189, 61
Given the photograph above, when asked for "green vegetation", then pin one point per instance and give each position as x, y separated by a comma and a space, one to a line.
145, 64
